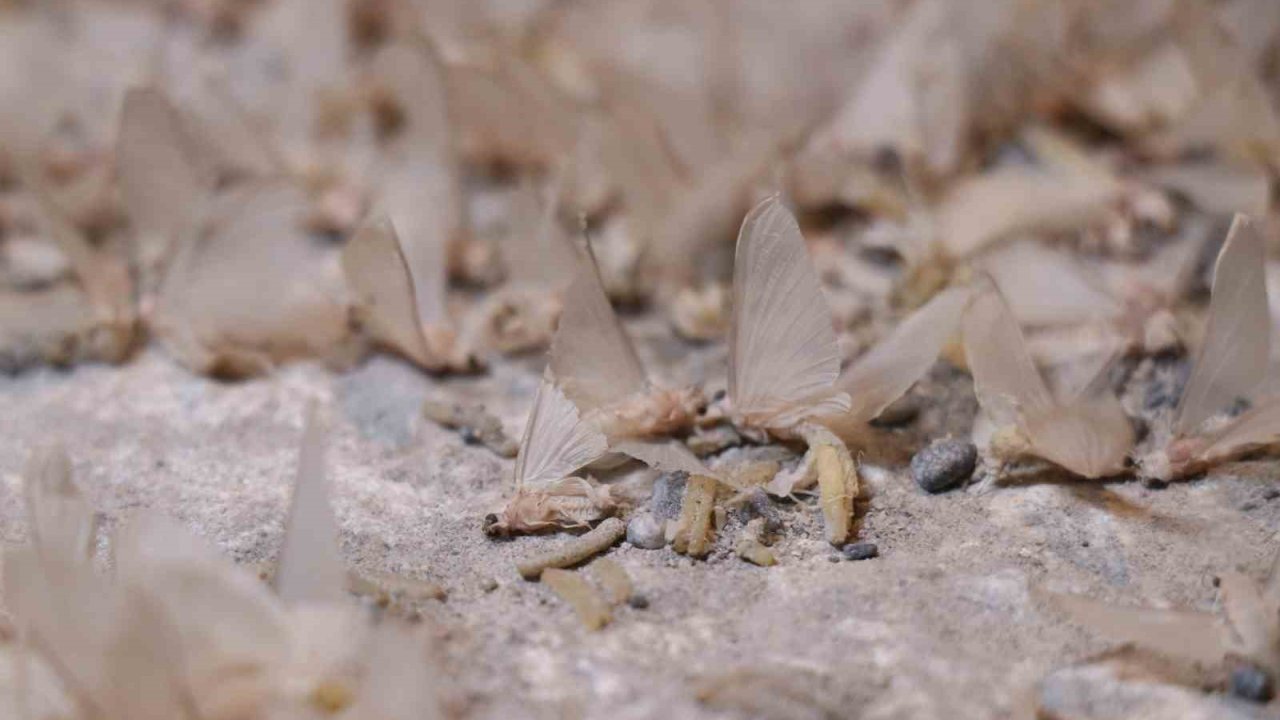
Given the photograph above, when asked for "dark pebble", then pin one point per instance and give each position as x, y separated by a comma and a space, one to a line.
943, 465
1155, 483
1251, 682
860, 551
638, 601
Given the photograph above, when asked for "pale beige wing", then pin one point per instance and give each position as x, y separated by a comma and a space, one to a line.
556, 441
225, 618
592, 358
1258, 426
1189, 635
782, 346
1091, 437
1005, 378
419, 191
1252, 620
62, 522
310, 567
1045, 286
379, 280
253, 282
1232, 359
161, 181
663, 456
538, 252
892, 367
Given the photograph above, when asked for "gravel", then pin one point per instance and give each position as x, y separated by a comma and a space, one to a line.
944, 465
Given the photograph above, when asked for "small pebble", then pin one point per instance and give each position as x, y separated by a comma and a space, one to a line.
943, 465
668, 492
860, 551
489, 585
1250, 682
638, 601
1154, 483
645, 532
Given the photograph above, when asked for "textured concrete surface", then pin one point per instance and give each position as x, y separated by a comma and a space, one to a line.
945, 623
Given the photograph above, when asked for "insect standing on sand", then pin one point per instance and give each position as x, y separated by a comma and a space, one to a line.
556, 443
784, 362
1082, 429
596, 365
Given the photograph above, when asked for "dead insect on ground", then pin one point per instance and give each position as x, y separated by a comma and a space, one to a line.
556, 443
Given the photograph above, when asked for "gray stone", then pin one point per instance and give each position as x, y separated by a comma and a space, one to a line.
668, 491
943, 465
860, 551
645, 532
1250, 682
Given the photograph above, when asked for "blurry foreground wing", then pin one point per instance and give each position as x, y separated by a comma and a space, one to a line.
1189, 635
310, 568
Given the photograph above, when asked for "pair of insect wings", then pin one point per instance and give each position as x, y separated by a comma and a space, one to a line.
1084, 429
784, 362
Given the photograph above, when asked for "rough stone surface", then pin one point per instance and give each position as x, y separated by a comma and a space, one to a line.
944, 465
951, 609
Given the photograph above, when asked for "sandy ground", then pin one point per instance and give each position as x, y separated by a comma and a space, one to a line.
944, 624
